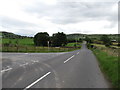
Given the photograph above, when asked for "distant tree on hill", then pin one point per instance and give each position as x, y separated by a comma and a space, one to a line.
59, 39
71, 40
88, 39
80, 39
41, 39
106, 40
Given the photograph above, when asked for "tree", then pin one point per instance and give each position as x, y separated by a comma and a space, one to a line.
88, 39
106, 40
80, 40
59, 39
41, 39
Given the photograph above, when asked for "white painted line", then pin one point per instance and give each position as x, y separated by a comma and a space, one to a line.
69, 59
6, 70
37, 81
78, 53
24, 64
35, 61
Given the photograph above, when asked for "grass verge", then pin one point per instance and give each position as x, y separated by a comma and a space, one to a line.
109, 65
32, 49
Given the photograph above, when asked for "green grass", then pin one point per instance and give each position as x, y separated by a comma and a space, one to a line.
99, 45
36, 49
103, 46
25, 41
109, 65
73, 44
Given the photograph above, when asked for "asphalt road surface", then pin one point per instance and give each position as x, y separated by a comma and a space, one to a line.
77, 69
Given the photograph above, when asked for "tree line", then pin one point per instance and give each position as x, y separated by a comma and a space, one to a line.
60, 39
104, 39
56, 40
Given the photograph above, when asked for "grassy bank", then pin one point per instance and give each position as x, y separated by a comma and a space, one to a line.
109, 65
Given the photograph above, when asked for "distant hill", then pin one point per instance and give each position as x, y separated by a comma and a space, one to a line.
97, 36
75, 36
10, 35
92, 36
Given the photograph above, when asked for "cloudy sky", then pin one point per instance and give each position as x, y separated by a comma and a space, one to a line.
27, 17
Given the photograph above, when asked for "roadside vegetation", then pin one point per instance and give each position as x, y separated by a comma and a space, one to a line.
41, 42
107, 53
109, 65
32, 49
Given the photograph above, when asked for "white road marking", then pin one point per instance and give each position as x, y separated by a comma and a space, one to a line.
37, 81
78, 53
6, 70
69, 59
35, 61
24, 64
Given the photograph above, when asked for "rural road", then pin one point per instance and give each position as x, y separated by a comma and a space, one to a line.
77, 69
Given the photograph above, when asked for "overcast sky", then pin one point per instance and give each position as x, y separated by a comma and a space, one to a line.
27, 17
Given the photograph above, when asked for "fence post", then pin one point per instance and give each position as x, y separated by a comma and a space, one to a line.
17, 48
26, 48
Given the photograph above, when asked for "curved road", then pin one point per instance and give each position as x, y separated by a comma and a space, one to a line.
77, 69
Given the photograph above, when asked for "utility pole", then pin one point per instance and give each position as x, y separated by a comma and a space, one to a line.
48, 45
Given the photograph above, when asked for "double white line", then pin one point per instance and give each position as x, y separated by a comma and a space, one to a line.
69, 59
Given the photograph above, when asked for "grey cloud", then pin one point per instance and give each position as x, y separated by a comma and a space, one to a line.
10, 22
73, 12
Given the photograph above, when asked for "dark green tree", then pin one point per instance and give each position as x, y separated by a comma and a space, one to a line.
80, 39
106, 40
88, 39
41, 39
59, 39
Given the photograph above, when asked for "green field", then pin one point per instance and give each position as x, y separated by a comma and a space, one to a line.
98, 36
73, 44
25, 41
103, 46
27, 45
109, 65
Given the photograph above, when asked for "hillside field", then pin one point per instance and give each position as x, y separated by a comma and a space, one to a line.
25, 41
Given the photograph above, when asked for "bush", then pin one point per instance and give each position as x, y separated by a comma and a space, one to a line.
107, 45
106, 40
59, 39
41, 39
